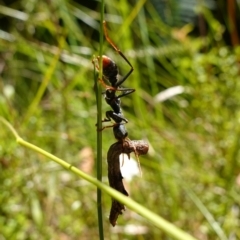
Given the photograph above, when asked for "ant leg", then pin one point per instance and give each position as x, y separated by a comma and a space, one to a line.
114, 46
106, 86
108, 117
126, 91
110, 126
120, 53
120, 82
118, 118
94, 60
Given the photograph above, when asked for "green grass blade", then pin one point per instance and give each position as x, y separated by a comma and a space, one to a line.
99, 133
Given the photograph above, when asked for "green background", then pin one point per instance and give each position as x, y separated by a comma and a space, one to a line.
191, 176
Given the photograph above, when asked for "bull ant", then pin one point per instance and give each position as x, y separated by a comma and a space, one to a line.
110, 73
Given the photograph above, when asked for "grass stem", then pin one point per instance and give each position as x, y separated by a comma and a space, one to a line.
99, 133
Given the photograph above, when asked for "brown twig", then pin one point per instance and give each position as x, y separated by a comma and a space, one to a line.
139, 147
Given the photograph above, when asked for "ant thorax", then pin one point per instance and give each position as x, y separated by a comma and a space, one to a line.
113, 101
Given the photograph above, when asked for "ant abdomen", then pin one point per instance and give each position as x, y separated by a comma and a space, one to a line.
110, 70
120, 132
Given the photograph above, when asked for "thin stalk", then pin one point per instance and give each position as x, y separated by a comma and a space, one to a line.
99, 133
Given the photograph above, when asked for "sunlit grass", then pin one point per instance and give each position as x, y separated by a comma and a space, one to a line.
190, 176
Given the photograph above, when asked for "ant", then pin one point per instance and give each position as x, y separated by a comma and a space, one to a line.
110, 73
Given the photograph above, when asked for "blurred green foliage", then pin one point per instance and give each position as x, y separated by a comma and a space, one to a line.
191, 175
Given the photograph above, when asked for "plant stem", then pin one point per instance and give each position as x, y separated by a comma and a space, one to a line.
99, 133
